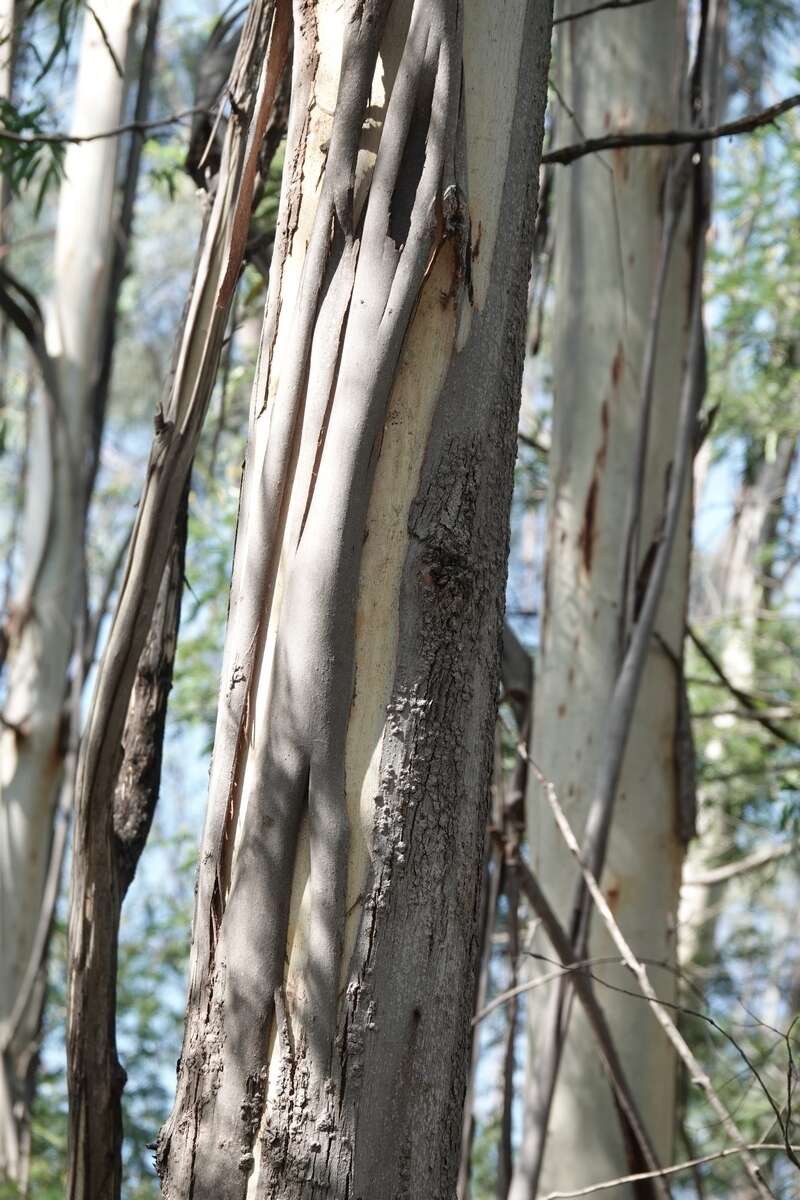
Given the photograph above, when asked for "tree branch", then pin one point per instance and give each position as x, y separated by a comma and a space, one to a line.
533, 442
675, 1169
681, 1047
745, 699
22, 309
606, 5
635, 1127
759, 858
670, 137
68, 139
106, 40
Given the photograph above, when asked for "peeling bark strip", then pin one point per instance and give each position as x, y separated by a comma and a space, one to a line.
334, 936
143, 741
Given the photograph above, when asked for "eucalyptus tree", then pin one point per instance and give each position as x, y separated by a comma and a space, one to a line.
334, 935
38, 629
623, 310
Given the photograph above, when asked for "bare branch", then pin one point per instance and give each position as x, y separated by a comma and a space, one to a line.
106, 41
68, 139
781, 713
681, 1047
530, 985
534, 443
670, 137
626, 688
675, 1169
597, 8
762, 768
749, 702
623, 1093
119, 263
759, 858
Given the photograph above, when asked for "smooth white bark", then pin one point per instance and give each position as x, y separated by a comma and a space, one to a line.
618, 73
41, 621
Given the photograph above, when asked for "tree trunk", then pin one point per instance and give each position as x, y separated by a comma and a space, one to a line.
334, 937
95, 1144
106, 842
615, 72
40, 625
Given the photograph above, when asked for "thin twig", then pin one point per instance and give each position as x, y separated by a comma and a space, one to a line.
697, 1073
533, 442
754, 861
777, 713
530, 985
585, 964
675, 1169
749, 702
596, 1019
106, 40
605, 6
670, 137
74, 139
775, 768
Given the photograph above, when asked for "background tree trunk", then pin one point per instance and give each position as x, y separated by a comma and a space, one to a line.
7, 47
40, 625
334, 938
742, 577
615, 72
